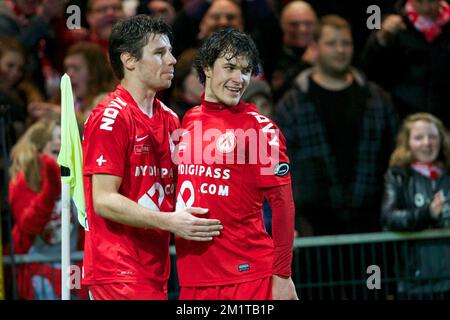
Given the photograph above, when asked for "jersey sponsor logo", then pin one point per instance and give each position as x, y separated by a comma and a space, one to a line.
111, 112
186, 196
204, 171
152, 171
139, 139
269, 128
281, 169
150, 200
244, 267
215, 189
129, 273
100, 160
226, 142
141, 149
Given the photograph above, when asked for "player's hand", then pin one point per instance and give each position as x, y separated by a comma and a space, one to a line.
184, 224
283, 288
390, 27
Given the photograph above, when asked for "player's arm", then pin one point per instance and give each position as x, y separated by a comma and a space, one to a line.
283, 210
111, 205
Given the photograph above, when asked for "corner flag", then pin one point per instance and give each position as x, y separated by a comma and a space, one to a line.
70, 154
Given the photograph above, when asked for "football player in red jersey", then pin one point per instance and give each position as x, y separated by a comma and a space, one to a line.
129, 176
230, 158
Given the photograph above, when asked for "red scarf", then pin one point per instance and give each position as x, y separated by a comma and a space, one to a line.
427, 169
430, 28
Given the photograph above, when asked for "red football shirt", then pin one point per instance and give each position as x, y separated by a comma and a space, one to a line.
120, 140
226, 157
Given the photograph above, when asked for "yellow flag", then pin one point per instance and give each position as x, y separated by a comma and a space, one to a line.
70, 154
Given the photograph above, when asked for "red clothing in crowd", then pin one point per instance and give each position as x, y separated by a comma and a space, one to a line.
37, 226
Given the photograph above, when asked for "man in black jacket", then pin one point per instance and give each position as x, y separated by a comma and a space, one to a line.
340, 132
410, 57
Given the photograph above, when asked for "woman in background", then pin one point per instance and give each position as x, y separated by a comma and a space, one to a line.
13, 83
417, 197
35, 200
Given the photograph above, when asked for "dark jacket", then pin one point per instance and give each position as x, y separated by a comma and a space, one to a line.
318, 193
288, 66
415, 72
407, 198
425, 265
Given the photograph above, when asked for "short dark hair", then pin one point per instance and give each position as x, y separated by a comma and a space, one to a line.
224, 42
132, 35
333, 21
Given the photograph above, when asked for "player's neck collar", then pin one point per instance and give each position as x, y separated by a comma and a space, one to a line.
219, 106
129, 97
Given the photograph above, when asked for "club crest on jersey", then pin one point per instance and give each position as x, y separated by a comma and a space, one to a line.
281, 169
226, 142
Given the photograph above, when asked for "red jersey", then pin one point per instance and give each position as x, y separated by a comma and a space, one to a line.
120, 140
226, 156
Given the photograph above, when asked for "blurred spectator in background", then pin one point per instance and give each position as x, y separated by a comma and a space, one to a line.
199, 18
410, 57
258, 92
340, 131
130, 7
221, 14
187, 88
34, 24
91, 76
35, 202
158, 8
101, 16
417, 197
298, 50
13, 84
186, 25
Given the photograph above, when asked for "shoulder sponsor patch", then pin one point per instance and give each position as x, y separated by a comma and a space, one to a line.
281, 169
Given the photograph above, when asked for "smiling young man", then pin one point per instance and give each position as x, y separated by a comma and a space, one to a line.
129, 176
231, 157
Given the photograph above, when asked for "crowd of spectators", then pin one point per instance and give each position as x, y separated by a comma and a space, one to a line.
337, 90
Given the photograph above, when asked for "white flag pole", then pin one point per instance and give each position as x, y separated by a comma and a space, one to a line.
65, 194
69, 170
65, 243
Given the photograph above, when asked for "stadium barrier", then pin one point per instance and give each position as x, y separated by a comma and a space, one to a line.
372, 266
